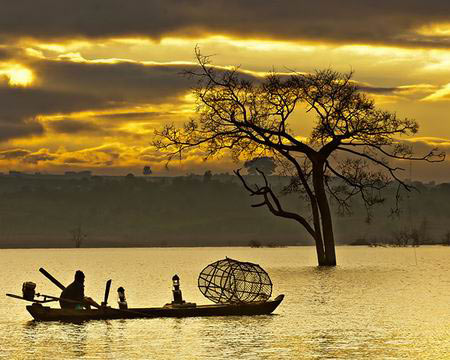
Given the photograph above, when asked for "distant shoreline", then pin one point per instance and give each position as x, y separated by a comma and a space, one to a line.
204, 246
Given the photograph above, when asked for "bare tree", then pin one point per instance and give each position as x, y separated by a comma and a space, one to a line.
346, 154
78, 235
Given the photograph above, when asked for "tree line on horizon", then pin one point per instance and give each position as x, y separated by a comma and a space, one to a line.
208, 210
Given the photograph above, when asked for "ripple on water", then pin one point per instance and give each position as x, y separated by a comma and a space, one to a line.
378, 304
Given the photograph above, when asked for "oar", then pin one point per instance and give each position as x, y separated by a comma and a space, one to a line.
52, 279
108, 287
66, 300
49, 298
34, 300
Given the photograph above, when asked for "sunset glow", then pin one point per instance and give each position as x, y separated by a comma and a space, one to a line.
82, 87
442, 29
17, 75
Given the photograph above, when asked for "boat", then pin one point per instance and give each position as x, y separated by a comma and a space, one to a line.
237, 288
45, 313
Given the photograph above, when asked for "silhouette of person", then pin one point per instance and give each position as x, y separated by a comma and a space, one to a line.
75, 294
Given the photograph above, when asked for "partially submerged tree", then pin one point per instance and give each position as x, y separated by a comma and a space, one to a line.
346, 154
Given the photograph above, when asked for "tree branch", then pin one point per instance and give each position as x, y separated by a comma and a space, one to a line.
275, 208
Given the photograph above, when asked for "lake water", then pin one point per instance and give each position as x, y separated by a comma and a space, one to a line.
379, 303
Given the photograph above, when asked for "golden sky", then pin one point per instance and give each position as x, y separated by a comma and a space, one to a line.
84, 84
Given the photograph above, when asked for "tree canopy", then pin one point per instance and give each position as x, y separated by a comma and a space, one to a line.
349, 151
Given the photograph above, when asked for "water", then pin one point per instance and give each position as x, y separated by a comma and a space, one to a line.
377, 304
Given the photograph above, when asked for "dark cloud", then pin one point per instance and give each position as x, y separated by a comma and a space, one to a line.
70, 126
65, 87
13, 154
27, 156
19, 128
126, 82
357, 21
74, 160
153, 158
9, 51
378, 90
4, 54
39, 156
127, 116
19, 108
27, 102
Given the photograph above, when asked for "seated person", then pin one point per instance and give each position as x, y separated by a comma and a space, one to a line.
75, 294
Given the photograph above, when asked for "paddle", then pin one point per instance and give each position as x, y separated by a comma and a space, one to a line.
108, 287
51, 278
34, 300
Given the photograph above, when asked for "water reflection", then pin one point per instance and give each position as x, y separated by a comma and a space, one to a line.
55, 338
376, 305
238, 337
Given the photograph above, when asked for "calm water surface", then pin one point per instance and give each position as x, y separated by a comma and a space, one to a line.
379, 303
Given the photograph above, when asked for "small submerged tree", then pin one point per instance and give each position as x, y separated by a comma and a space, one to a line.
78, 235
346, 154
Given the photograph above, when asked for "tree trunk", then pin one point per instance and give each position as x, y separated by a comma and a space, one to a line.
325, 214
318, 238
320, 251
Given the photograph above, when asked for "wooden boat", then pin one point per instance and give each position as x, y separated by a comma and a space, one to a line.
46, 313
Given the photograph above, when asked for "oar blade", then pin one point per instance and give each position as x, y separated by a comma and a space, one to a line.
107, 289
51, 278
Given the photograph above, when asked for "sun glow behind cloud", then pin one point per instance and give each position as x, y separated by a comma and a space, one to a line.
439, 29
17, 74
381, 68
442, 94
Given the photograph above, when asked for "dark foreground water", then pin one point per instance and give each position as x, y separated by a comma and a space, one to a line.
379, 303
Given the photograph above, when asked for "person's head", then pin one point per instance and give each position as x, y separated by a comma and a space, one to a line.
79, 276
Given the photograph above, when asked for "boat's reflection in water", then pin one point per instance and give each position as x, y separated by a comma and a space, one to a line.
58, 338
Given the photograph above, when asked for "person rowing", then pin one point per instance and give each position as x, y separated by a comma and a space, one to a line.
74, 293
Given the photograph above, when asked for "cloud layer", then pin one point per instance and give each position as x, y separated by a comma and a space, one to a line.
393, 22
107, 73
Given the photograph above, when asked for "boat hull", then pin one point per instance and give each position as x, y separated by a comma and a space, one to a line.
45, 313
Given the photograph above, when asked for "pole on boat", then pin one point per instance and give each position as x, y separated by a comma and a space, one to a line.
108, 287
51, 278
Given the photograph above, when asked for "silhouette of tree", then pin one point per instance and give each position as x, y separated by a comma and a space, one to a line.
207, 176
147, 170
78, 235
251, 118
265, 164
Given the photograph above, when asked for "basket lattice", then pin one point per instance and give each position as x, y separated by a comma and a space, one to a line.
232, 281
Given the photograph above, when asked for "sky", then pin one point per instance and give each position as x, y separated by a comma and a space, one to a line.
84, 84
